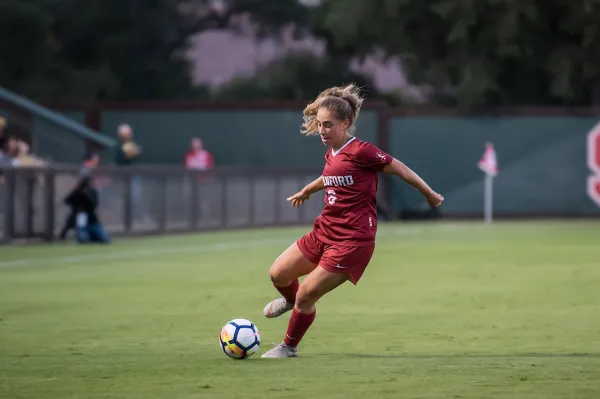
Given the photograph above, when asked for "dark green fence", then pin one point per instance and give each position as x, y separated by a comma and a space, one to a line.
56, 144
542, 153
542, 161
234, 137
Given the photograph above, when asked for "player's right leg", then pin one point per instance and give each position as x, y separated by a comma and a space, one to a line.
318, 283
284, 272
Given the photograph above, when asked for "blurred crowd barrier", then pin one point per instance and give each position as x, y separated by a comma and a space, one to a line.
155, 199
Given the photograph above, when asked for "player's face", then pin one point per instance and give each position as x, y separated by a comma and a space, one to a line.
333, 132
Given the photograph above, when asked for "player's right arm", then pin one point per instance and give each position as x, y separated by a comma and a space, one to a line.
303, 195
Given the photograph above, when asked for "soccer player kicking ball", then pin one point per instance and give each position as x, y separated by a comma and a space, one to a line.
342, 241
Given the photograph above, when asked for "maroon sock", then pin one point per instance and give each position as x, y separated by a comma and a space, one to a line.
297, 327
289, 292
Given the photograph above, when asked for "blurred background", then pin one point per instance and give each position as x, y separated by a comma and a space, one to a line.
186, 113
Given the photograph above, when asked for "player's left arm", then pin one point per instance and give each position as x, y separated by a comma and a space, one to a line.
399, 169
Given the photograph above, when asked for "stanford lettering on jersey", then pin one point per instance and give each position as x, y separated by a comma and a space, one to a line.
350, 176
338, 181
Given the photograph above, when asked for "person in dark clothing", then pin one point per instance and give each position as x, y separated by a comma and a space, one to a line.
83, 201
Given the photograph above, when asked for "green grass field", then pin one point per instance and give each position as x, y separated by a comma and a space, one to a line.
450, 310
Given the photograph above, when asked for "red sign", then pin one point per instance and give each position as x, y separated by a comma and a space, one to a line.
593, 161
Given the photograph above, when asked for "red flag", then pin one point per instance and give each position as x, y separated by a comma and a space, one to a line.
489, 163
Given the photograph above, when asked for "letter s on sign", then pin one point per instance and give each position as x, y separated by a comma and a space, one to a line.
593, 161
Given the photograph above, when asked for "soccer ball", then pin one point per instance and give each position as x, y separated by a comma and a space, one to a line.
239, 339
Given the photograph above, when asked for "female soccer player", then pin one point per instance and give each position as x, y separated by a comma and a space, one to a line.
342, 241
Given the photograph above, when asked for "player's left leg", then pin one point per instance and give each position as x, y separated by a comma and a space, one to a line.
315, 285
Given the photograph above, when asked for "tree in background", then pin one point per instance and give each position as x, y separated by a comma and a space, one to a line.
298, 75
295, 77
493, 52
97, 49
515, 52
109, 49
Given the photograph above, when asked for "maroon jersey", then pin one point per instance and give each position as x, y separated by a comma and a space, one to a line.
351, 178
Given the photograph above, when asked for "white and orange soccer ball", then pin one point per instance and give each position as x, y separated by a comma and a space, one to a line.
239, 339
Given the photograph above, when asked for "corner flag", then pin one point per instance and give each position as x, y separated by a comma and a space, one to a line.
489, 163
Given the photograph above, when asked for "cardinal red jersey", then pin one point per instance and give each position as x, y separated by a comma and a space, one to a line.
351, 178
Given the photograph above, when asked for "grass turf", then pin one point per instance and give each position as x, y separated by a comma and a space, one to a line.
447, 310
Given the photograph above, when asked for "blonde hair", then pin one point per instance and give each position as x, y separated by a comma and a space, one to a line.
344, 101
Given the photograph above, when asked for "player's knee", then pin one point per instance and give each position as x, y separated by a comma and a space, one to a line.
277, 277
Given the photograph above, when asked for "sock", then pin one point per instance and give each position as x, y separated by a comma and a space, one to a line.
297, 327
289, 292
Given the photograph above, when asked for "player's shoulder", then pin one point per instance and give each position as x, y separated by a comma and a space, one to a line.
359, 146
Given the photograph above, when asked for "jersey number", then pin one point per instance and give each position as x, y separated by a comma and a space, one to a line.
331, 197
593, 161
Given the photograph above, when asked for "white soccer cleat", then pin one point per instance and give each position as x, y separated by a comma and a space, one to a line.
280, 351
277, 307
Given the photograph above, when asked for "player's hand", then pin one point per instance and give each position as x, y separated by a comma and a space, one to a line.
434, 199
299, 198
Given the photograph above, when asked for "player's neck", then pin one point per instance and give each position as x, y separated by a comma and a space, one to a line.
337, 147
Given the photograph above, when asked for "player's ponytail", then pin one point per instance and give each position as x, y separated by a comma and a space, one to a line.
345, 101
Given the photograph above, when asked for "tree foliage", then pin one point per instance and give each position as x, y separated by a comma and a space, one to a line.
298, 76
482, 52
92, 49
487, 52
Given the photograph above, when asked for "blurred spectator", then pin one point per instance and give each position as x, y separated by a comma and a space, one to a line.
23, 157
198, 158
3, 135
16, 153
91, 161
128, 152
7, 152
83, 201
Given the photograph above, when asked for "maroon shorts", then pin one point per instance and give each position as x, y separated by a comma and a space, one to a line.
336, 258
